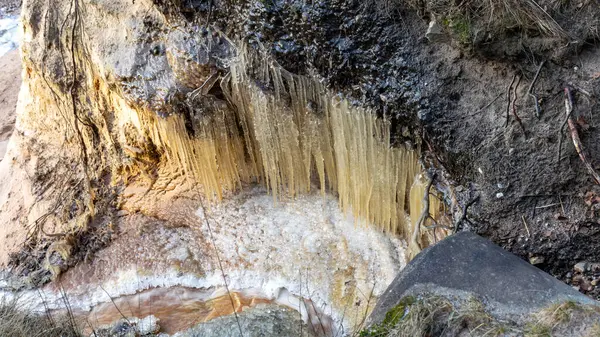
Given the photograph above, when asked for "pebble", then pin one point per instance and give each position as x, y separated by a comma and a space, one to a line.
586, 286
536, 260
581, 267
435, 32
122, 213
148, 325
499, 195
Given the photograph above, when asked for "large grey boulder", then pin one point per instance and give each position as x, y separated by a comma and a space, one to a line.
465, 265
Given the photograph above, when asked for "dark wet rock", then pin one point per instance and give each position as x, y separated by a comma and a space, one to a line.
465, 265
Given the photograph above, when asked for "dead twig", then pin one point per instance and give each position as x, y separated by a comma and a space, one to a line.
369, 299
414, 244
575, 135
514, 105
581, 90
508, 98
512, 102
115, 305
532, 94
220, 262
68, 307
562, 207
526, 227
465, 210
562, 127
547, 206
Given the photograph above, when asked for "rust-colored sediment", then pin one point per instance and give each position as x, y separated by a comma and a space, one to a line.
177, 308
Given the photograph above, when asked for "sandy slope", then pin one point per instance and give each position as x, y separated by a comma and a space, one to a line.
10, 82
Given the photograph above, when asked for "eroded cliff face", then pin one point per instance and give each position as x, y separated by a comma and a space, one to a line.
272, 149
142, 136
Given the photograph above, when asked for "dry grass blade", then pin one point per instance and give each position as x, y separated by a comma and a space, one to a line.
17, 321
496, 17
532, 94
438, 316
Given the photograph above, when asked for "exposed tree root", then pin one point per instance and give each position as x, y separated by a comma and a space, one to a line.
575, 135
414, 247
532, 94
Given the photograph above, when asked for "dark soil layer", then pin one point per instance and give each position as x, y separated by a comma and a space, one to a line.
454, 97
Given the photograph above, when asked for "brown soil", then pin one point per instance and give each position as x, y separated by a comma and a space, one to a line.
532, 201
10, 82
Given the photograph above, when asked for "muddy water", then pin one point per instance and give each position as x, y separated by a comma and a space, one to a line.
177, 308
180, 308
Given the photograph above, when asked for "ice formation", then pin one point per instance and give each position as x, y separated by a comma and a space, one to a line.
289, 132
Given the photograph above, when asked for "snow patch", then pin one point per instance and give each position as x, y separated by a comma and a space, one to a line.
10, 34
284, 251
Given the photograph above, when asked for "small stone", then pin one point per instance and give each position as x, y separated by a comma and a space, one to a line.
435, 32
424, 115
148, 325
122, 213
499, 195
581, 267
595, 282
536, 260
586, 286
